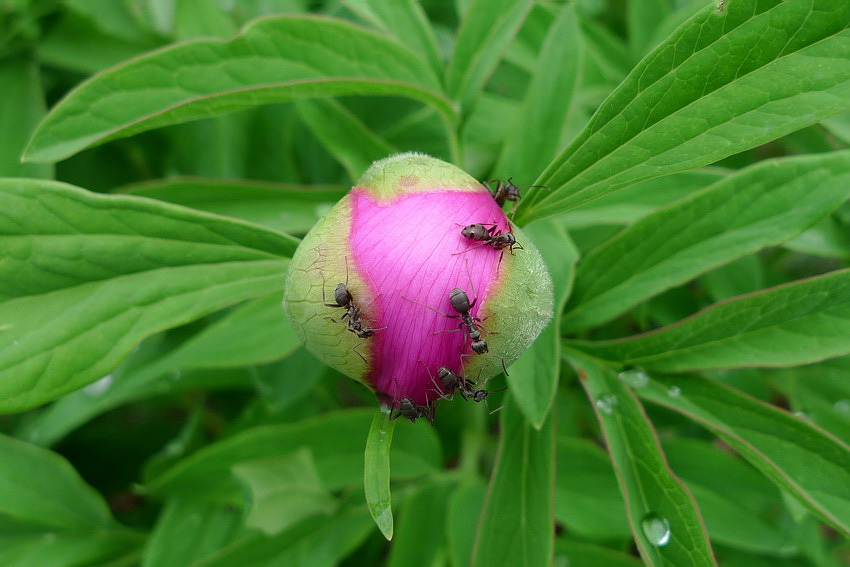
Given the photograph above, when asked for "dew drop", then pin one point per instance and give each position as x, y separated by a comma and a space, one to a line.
606, 404
656, 529
842, 406
99, 387
634, 378
801, 414
674, 392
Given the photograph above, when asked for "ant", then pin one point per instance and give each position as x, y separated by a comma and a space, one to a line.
344, 299
471, 326
411, 410
507, 191
491, 237
468, 389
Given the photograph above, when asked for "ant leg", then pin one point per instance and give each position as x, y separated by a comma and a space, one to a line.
504, 368
344, 315
431, 308
484, 243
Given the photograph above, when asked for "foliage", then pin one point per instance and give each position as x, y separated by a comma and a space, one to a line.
158, 410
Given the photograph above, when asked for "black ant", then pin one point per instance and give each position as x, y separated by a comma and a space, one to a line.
468, 389
471, 326
491, 237
344, 299
411, 410
507, 191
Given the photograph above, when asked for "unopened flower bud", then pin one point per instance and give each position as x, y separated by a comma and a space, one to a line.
378, 289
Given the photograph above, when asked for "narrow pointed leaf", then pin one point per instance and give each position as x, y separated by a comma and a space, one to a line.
405, 20
799, 457
88, 276
536, 136
23, 107
719, 85
272, 60
344, 135
335, 439
376, 471
187, 531
487, 28
420, 538
758, 207
664, 517
787, 325
534, 376
38, 486
516, 526
283, 207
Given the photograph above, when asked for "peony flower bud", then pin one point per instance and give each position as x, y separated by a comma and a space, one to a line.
370, 286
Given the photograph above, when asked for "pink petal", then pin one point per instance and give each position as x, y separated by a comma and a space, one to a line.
407, 249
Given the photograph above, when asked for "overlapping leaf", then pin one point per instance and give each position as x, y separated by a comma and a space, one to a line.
791, 324
665, 520
87, 277
736, 75
272, 60
516, 524
758, 207
799, 457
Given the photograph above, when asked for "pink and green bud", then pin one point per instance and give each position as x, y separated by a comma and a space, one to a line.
396, 243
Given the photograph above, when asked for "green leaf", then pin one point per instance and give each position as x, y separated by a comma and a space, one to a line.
487, 28
28, 547
272, 60
23, 107
376, 471
516, 526
796, 455
829, 238
317, 542
758, 207
797, 323
250, 334
634, 202
705, 94
282, 207
665, 520
587, 498
350, 141
464, 509
582, 554
737, 503
420, 538
537, 132
335, 440
534, 376
821, 393
643, 19
406, 21
198, 18
88, 276
283, 491
39, 487
188, 530
78, 44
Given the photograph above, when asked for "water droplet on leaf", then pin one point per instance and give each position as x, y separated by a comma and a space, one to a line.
606, 404
674, 392
634, 378
100, 387
656, 529
842, 406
